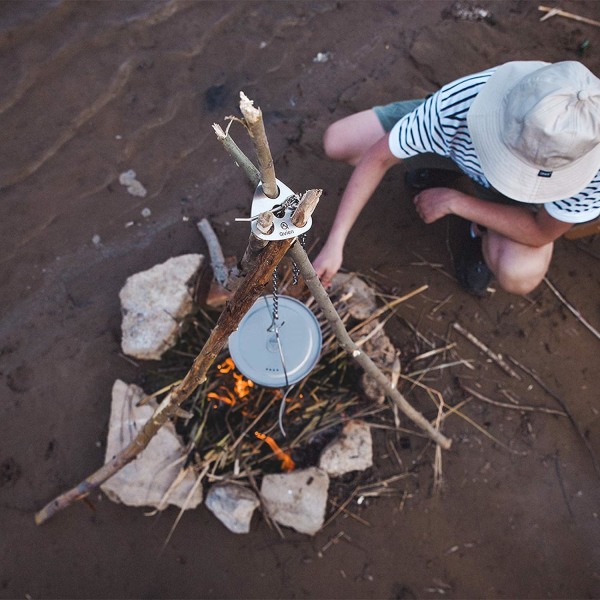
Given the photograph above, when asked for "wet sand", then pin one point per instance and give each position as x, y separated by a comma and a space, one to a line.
90, 90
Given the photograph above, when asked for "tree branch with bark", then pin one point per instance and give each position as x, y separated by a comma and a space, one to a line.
247, 293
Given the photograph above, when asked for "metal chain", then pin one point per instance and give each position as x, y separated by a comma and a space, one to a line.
275, 297
295, 267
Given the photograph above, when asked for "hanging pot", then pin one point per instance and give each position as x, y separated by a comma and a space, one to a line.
276, 353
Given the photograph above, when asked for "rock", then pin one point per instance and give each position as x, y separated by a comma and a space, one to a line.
351, 451
134, 187
322, 57
359, 297
147, 480
153, 302
297, 499
360, 302
467, 11
383, 353
233, 505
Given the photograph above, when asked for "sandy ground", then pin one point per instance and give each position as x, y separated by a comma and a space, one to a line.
92, 89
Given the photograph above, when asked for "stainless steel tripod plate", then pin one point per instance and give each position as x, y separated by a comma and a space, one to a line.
283, 207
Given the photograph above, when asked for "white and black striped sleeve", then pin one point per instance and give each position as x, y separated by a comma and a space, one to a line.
439, 125
582, 207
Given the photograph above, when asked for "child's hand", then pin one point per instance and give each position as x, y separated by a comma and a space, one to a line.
328, 263
434, 203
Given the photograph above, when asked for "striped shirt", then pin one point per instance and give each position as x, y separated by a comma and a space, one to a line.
439, 125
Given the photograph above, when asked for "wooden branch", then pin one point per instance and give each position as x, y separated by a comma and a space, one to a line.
255, 245
256, 128
252, 253
562, 13
495, 357
521, 407
572, 309
238, 156
306, 207
254, 248
248, 292
264, 222
298, 255
217, 258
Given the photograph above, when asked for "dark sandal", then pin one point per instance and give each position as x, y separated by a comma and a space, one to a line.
471, 271
422, 179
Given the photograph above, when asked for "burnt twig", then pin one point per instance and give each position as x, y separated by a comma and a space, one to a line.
520, 407
217, 259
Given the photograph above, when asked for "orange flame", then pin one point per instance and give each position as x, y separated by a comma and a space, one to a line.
229, 398
241, 387
226, 366
287, 464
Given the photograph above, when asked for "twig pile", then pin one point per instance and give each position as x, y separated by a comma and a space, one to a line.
231, 425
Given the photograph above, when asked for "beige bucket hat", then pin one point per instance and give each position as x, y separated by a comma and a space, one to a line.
536, 129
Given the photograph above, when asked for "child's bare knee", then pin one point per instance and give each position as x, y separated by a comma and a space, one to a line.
517, 286
522, 279
517, 268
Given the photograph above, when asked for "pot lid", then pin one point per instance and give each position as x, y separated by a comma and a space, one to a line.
255, 350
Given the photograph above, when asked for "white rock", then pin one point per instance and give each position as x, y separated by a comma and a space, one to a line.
381, 351
359, 297
297, 499
351, 451
134, 187
233, 505
153, 302
361, 302
155, 477
322, 57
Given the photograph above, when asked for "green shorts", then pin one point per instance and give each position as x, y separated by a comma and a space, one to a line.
390, 114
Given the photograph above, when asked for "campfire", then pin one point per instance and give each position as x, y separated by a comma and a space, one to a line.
235, 430
236, 427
